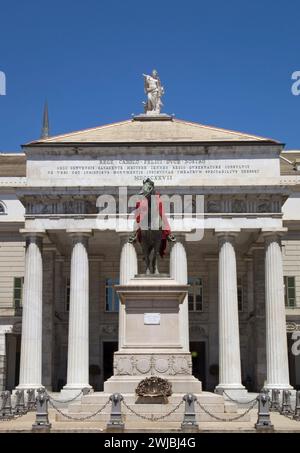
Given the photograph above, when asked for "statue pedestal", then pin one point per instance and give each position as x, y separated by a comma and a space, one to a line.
151, 344
150, 337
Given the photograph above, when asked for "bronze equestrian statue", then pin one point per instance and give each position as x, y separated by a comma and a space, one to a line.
152, 228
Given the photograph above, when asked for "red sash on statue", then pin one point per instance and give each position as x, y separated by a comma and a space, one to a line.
142, 212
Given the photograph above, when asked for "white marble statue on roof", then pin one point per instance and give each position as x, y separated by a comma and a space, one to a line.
154, 91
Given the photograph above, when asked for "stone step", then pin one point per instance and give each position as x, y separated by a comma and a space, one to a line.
213, 403
144, 408
175, 417
101, 398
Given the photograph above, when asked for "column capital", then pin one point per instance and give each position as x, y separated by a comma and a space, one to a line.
273, 233
32, 233
180, 238
225, 231
79, 233
124, 236
228, 235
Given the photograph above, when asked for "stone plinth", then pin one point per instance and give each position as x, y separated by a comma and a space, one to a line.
152, 341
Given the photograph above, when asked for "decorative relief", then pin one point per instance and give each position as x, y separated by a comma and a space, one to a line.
152, 364
162, 365
263, 206
109, 329
180, 365
197, 331
86, 204
239, 206
62, 205
17, 327
292, 326
214, 206
143, 365
123, 367
248, 204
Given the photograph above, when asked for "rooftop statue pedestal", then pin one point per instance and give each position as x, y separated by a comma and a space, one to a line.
150, 338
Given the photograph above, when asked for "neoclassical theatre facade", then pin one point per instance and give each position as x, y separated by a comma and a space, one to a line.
57, 239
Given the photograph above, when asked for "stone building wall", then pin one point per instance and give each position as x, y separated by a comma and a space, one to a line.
291, 260
12, 253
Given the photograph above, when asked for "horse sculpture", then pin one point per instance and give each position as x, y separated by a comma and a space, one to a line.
152, 228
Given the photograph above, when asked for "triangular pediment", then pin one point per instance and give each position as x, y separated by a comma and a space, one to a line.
159, 131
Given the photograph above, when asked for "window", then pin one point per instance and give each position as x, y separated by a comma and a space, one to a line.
195, 294
67, 295
18, 291
111, 297
289, 292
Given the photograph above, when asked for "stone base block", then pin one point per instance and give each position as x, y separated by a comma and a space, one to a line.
230, 407
188, 428
238, 394
41, 428
278, 386
128, 384
68, 393
113, 428
28, 386
264, 428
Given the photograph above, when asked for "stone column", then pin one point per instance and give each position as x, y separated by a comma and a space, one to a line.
276, 337
128, 269
178, 271
78, 341
229, 338
31, 340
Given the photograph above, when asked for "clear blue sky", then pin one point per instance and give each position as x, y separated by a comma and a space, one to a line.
225, 63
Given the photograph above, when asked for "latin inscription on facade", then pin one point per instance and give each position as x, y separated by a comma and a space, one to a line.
162, 171
159, 170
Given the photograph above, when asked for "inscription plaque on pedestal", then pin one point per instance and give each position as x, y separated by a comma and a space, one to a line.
151, 318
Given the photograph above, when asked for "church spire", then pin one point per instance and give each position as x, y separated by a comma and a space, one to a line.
45, 127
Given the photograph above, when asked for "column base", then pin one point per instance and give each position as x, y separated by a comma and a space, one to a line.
278, 386
235, 392
29, 386
71, 391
